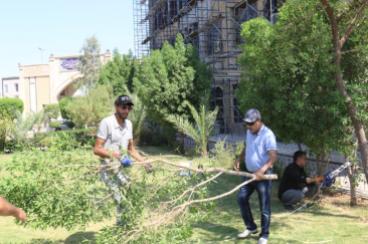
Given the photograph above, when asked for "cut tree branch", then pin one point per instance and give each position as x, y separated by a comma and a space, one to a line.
206, 170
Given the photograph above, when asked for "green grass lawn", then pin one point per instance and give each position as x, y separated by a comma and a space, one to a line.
331, 221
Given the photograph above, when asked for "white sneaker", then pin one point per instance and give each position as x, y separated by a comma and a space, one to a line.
262, 240
246, 233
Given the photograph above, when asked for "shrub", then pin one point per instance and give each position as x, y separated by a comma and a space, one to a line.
55, 188
51, 111
66, 140
89, 110
10, 107
63, 105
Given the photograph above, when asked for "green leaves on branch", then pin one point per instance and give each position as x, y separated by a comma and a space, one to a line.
288, 74
88, 111
9, 107
55, 188
119, 72
200, 130
170, 76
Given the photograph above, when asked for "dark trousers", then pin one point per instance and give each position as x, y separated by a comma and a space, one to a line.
294, 196
263, 189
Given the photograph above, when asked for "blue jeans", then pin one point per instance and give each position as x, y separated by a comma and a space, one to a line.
263, 189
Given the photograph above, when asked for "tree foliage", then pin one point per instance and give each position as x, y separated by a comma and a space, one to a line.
200, 130
119, 72
90, 62
168, 77
9, 107
56, 188
293, 87
348, 24
89, 110
138, 115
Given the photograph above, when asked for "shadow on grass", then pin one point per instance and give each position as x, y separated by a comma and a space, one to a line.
79, 237
45, 241
219, 233
76, 238
321, 212
226, 223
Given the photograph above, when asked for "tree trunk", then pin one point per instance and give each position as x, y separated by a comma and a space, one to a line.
322, 164
341, 86
351, 176
358, 125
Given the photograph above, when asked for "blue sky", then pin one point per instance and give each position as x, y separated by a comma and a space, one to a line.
60, 28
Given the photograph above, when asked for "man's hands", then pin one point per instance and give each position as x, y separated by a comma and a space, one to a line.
19, 214
319, 179
116, 154
147, 166
260, 173
237, 165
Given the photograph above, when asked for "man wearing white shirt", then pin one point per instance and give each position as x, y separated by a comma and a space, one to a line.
114, 140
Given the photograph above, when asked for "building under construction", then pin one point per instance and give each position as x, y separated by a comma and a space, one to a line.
213, 27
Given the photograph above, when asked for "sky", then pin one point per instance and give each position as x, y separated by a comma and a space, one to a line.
31, 30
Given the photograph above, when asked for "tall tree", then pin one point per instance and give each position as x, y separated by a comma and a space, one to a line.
168, 77
295, 87
90, 62
119, 72
345, 17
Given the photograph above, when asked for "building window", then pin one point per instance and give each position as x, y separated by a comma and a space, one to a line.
173, 9
16, 87
6, 88
214, 40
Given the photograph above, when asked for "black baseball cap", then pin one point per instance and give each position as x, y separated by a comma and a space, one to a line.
123, 100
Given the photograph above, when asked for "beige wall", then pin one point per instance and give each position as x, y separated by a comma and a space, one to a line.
39, 95
41, 84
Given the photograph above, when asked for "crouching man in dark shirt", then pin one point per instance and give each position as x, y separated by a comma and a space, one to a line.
295, 185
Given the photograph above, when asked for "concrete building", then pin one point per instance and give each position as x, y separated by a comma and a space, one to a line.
213, 26
42, 84
9, 87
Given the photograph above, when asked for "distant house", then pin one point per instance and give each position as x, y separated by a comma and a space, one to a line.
10, 87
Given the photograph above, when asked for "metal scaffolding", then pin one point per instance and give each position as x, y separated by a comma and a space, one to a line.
213, 27
141, 28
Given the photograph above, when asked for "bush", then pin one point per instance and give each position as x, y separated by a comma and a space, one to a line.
168, 77
51, 111
63, 105
89, 110
9, 107
55, 188
66, 140
55, 124
6, 127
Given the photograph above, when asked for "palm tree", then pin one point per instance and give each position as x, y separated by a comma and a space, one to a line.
200, 130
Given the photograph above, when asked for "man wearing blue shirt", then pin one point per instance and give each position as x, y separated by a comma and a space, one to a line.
258, 157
